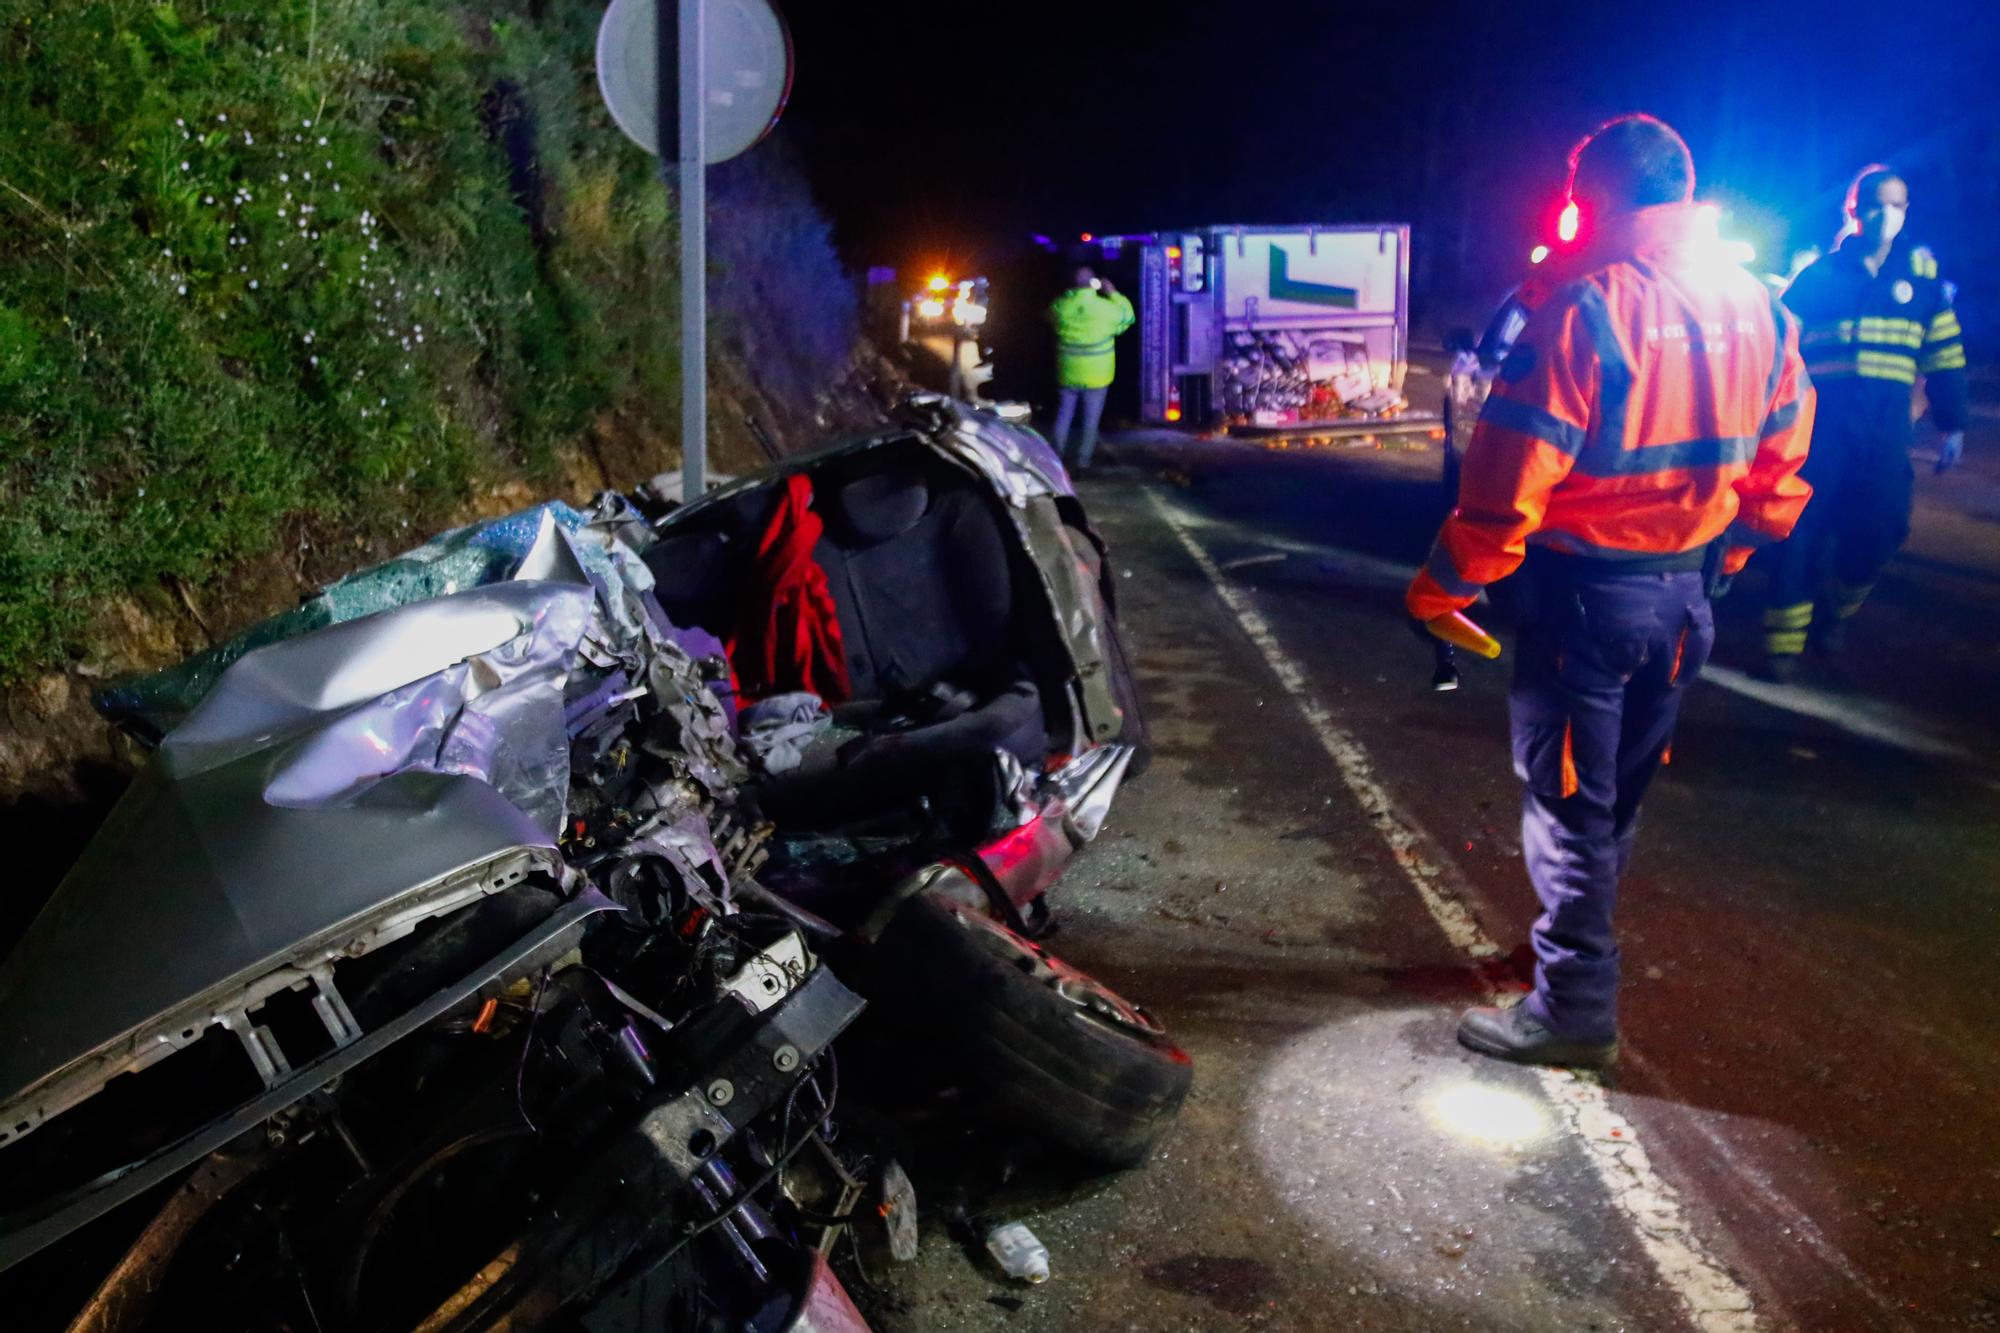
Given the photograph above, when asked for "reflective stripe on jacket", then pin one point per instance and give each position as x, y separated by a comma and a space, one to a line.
1649, 408
1867, 336
1088, 323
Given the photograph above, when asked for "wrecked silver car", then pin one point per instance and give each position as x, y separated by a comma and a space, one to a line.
474, 948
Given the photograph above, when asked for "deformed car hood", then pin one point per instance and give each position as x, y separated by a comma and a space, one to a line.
324, 780
196, 884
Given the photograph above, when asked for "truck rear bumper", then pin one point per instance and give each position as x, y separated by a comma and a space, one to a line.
1412, 430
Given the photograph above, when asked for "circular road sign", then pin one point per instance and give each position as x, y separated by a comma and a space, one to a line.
747, 61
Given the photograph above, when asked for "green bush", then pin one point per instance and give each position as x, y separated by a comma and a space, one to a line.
266, 259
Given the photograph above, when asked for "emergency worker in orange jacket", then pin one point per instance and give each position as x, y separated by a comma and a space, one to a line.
1644, 434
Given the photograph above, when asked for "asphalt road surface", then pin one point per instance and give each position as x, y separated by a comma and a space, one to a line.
1323, 867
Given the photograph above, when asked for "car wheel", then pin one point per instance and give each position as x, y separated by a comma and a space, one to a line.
1048, 1046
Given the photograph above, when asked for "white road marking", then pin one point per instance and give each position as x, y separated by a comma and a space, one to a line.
1713, 1298
1867, 719
1364, 569
1802, 1227
1245, 561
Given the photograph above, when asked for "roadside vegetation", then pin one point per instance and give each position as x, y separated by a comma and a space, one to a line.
277, 266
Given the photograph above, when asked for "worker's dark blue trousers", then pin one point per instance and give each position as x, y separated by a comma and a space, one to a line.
1857, 519
1067, 401
1602, 662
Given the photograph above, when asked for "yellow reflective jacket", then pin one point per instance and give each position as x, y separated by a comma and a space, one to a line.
1087, 321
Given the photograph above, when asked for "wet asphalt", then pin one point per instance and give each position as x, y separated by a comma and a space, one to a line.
1810, 932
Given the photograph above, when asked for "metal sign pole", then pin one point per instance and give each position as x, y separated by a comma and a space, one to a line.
694, 255
683, 138
667, 113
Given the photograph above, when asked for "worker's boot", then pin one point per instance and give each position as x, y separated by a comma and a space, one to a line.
1515, 1034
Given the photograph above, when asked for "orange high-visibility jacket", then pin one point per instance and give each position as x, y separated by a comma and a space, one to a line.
1650, 407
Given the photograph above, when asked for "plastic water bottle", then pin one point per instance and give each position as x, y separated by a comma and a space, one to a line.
1019, 1254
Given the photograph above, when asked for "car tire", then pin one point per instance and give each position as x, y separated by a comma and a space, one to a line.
1043, 1044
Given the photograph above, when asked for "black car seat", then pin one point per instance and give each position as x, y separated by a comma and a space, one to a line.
923, 582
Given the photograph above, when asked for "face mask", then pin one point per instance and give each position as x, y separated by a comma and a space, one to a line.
1885, 222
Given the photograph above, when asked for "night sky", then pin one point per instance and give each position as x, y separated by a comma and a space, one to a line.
941, 133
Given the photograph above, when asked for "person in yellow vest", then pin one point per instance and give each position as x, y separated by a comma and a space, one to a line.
1088, 319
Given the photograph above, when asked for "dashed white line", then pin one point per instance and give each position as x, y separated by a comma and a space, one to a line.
1715, 1301
1868, 720
1363, 569
1245, 561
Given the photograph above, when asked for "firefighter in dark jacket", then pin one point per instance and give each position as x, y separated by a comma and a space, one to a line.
1875, 315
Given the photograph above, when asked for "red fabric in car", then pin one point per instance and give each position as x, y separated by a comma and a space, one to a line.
789, 636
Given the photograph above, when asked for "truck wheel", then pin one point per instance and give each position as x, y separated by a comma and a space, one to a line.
1048, 1046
